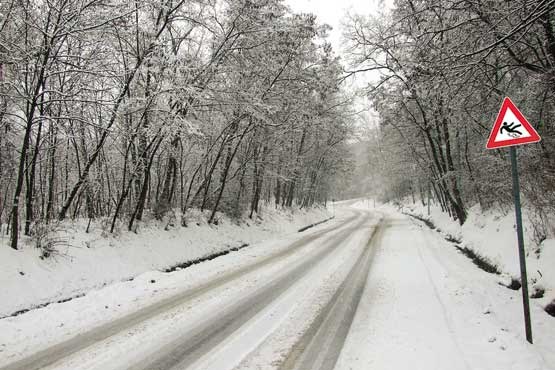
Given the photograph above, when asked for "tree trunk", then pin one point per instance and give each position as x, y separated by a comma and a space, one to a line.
144, 188
53, 140
229, 159
169, 182
32, 171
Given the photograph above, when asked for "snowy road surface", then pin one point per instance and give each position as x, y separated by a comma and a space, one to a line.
369, 290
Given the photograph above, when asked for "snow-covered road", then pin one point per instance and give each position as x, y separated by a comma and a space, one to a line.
368, 290
426, 306
212, 319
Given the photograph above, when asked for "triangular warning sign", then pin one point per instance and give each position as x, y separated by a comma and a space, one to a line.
511, 128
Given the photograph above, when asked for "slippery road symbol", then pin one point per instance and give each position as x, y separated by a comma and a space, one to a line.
511, 129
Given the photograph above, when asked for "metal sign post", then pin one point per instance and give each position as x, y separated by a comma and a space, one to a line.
521, 252
510, 129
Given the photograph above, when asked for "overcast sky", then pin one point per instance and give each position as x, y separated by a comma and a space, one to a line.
332, 12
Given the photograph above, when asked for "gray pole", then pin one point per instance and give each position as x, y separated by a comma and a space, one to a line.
521, 252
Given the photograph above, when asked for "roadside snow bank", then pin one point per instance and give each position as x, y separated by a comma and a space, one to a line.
492, 235
96, 259
426, 306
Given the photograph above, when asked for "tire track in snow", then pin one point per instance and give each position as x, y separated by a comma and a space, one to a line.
192, 346
320, 346
53, 354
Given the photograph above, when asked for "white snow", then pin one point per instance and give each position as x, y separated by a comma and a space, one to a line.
492, 234
262, 332
30, 332
425, 306
95, 260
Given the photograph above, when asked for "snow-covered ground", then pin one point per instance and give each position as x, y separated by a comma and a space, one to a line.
424, 306
38, 329
492, 234
97, 259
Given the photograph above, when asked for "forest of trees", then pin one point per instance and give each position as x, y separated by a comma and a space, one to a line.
445, 67
116, 110
113, 110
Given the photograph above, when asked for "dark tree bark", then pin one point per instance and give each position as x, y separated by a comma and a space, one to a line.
229, 159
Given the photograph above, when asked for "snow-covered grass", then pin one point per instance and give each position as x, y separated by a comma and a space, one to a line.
491, 235
88, 261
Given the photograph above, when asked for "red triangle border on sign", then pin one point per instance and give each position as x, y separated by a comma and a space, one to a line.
508, 104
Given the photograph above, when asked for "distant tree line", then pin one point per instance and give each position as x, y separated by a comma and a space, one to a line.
445, 67
116, 109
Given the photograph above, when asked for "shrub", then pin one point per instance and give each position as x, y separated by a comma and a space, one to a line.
46, 238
